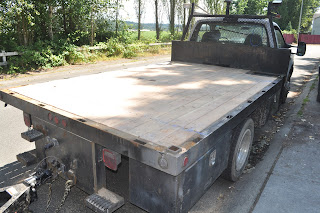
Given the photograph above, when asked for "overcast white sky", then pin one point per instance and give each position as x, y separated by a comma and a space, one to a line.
129, 12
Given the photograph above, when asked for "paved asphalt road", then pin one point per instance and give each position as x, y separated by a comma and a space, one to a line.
223, 196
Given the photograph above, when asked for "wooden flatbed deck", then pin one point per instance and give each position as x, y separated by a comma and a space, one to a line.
165, 104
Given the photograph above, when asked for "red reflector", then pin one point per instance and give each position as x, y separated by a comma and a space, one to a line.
111, 159
27, 119
56, 120
64, 123
50, 116
185, 161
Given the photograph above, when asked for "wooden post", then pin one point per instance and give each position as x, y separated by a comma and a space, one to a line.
4, 58
4, 55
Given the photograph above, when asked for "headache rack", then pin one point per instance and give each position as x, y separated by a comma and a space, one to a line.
272, 12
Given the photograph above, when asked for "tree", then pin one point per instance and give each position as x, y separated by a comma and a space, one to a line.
214, 6
290, 13
240, 6
139, 10
184, 16
18, 19
256, 7
172, 16
156, 5
117, 7
209, 5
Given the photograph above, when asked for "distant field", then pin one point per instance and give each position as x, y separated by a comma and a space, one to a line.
150, 36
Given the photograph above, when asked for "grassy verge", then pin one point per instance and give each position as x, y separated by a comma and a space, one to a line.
44, 55
306, 100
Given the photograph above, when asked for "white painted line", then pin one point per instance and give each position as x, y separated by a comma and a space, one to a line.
8, 173
16, 176
3, 169
16, 163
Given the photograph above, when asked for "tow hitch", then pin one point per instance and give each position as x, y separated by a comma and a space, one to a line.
17, 198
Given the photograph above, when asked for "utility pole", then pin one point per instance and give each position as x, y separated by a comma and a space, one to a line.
300, 20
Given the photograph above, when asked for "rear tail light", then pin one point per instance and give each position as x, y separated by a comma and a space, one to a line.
111, 159
27, 119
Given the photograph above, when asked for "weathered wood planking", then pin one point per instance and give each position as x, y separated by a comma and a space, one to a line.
166, 104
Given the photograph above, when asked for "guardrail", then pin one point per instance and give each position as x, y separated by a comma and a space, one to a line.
99, 48
4, 56
160, 44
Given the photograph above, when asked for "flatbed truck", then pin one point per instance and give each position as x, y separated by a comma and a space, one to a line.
178, 125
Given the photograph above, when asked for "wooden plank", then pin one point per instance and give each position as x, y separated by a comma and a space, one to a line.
156, 108
191, 114
169, 88
180, 135
181, 110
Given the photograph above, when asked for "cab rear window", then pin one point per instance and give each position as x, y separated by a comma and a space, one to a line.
240, 33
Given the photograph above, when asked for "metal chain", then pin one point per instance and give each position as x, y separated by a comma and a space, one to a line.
49, 196
68, 186
50, 192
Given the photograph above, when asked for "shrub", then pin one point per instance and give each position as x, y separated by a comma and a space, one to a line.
133, 49
114, 47
60, 52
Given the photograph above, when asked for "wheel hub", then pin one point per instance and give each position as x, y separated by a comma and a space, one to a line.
243, 150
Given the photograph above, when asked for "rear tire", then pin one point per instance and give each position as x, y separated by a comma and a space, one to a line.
284, 92
286, 88
241, 144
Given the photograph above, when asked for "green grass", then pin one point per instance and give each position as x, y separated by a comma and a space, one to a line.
150, 36
313, 85
145, 35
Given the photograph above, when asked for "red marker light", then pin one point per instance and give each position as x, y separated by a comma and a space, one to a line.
185, 161
50, 116
56, 120
64, 123
27, 119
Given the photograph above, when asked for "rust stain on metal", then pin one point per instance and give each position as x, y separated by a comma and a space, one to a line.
159, 148
189, 145
136, 144
65, 134
41, 129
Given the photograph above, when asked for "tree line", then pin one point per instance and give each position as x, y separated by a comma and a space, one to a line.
49, 32
23, 22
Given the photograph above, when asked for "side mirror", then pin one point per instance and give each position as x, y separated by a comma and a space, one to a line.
301, 51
